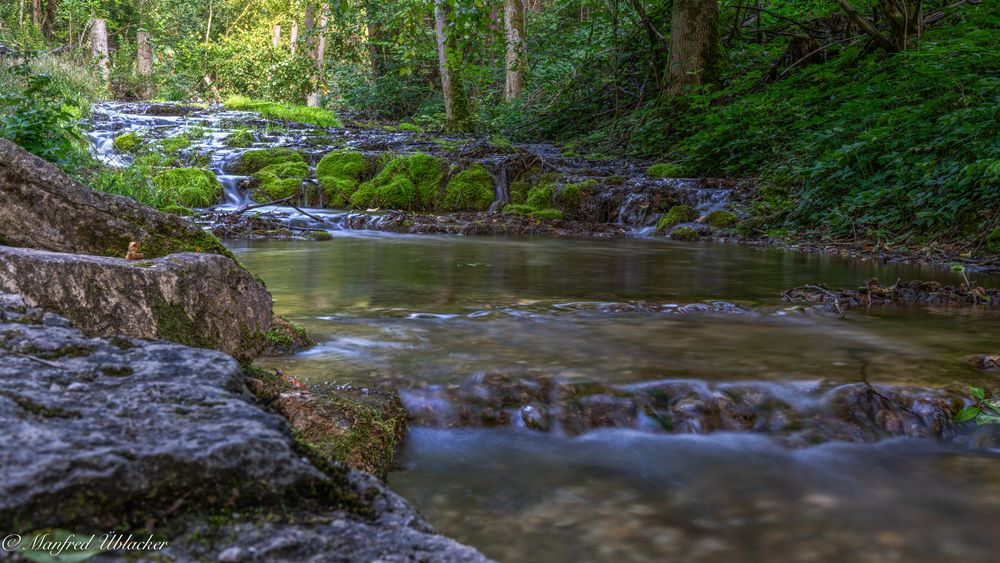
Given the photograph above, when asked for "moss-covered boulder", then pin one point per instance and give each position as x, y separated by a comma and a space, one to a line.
285, 337
257, 159
540, 197
569, 198
676, 214
469, 190
684, 233
131, 142
721, 219
361, 428
340, 174
518, 209
668, 170
280, 180
41, 207
189, 187
410, 182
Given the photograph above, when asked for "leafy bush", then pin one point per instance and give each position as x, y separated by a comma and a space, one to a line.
37, 116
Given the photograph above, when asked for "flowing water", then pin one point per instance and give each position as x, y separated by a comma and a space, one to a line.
438, 312
635, 399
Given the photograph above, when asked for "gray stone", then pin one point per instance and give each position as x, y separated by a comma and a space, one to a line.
41, 207
123, 433
202, 300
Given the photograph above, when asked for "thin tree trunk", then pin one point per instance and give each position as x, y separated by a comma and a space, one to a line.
904, 20
276, 35
208, 28
319, 54
455, 105
36, 12
144, 63
867, 26
99, 47
517, 50
49, 23
293, 37
694, 44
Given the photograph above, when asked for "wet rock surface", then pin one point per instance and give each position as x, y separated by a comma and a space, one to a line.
134, 433
41, 207
912, 292
201, 300
798, 414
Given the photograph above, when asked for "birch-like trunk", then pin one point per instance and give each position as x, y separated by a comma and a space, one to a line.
455, 105
276, 36
144, 63
99, 47
517, 50
319, 53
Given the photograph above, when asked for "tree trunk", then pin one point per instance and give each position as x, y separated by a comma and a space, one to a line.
904, 20
517, 50
455, 105
99, 47
144, 63
319, 54
375, 51
694, 44
49, 19
293, 37
36, 12
867, 26
276, 36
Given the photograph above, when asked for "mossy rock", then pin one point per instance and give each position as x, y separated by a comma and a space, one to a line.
340, 173
280, 180
685, 234
519, 209
285, 337
677, 214
239, 139
130, 142
570, 197
548, 214
173, 145
540, 197
411, 127
190, 187
257, 159
668, 170
469, 190
410, 182
721, 219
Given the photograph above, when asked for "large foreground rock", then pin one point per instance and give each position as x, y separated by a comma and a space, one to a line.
122, 434
41, 207
201, 300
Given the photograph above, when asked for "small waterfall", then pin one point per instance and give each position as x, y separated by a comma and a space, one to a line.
498, 168
634, 209
708, 200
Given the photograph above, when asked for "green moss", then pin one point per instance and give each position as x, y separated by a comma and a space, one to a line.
174, 144
240, 138
254, 160
470, 190
130, 143
150, 162
570, 197
340, 173
406, 182
288, 112
285, 337
412, 127
677, 214
667, 170
518, 209
280, 180
684, 233
173, 324
501, 143
540, 197
721, 219
189, 187
550, 214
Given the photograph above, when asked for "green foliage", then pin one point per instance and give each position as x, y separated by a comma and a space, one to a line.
721, 219
130, 142
240, 138
173, 145
189, 187
684, 233
37, 116
254, 160
340, 173
668, 170
280, 180
287, 112
406, 182
985, 411
412, 127
131, 182
676, 214
569, 198
540, 197
518, 209
548, 214
469, 190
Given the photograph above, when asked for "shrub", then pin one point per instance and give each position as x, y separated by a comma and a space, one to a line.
677, 214
189, 187
470, 190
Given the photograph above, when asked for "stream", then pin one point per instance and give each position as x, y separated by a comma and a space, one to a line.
574, 400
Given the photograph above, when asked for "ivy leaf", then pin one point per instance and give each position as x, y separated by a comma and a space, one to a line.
978, 392
987, 419
966, 414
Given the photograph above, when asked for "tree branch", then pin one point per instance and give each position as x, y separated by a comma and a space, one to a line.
868, 27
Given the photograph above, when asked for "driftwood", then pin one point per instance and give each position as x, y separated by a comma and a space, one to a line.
914, 292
